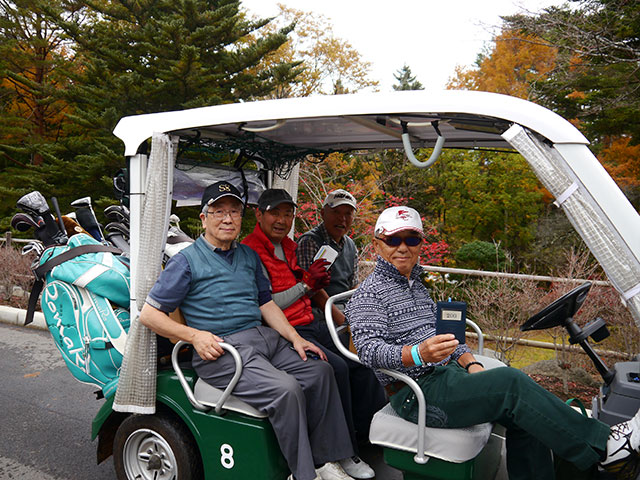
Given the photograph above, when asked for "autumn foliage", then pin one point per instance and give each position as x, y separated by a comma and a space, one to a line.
516, 62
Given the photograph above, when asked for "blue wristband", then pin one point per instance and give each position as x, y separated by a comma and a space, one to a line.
415, 354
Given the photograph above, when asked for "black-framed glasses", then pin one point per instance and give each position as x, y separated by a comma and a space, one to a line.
222, 214
394, 241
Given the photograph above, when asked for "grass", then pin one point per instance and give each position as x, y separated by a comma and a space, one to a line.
526, 355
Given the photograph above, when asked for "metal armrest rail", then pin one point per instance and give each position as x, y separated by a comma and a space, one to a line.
187, 388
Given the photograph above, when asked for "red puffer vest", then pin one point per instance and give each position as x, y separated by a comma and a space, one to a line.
283, 275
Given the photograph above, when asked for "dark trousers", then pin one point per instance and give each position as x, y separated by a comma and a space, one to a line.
360, 392
300, 398
537, 422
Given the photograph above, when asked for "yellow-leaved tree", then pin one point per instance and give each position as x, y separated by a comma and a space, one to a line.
515, 63
330, 65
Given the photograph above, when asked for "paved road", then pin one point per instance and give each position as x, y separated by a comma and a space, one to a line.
46, 414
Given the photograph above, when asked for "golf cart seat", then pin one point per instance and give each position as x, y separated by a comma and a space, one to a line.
205, 397
390, 430
210, 396
422, 452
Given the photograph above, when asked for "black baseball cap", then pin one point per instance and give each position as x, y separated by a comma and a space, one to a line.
218, 190
273, 197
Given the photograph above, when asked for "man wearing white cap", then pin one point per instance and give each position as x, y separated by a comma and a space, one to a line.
362, 395
392, 319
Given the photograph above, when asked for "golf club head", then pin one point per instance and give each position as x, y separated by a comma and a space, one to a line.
33, 247
84, 202
117, 213
71, 226
33, 202
23, 222
119, 228
174, 220
175, 236
119, 241
87, 220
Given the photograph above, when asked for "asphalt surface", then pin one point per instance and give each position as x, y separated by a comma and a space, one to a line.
46, 415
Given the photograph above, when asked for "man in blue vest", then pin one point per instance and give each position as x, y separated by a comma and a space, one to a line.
223, 294
338, 212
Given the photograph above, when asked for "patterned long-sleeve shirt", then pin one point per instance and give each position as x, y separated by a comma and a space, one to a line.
389, 311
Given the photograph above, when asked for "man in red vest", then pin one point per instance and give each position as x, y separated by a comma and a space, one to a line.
292, 288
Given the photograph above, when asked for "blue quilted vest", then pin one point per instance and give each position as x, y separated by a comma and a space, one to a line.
223, 297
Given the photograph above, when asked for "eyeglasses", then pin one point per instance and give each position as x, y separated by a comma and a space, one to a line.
397, 241
222, 214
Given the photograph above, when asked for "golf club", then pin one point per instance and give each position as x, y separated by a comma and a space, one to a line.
117, 213
23, 222
36, 205
115, 227
86, 217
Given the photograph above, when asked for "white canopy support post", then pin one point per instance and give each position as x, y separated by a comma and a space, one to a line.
136, 391
437, 149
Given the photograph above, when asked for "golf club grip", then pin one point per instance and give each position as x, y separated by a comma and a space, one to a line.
56, 208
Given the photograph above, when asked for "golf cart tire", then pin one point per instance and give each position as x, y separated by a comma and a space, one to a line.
155, 447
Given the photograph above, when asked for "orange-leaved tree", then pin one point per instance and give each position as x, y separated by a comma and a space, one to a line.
622, 161
515, 63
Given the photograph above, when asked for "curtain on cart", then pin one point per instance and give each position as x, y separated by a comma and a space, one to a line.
137, 385
620, 265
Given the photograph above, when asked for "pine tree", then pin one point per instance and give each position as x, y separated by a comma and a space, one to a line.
596, 79
142, 56
406, 81
31, 55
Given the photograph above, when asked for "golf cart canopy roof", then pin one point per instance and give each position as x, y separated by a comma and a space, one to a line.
465, 119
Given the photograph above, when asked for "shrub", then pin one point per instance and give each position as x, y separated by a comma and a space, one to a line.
15, 271
480, 255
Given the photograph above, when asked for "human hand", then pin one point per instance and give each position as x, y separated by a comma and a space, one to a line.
302, 346
437, 348
317, 276
206, 344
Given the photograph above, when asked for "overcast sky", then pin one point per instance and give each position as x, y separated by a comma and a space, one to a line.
432, 37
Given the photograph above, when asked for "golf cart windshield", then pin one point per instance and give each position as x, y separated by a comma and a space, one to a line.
276, 135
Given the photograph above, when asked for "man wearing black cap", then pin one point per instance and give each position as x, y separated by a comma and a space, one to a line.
292, 289
223, 294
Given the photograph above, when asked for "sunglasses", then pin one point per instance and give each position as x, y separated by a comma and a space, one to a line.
397, 241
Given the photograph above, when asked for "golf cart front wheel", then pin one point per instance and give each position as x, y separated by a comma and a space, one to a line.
150, 447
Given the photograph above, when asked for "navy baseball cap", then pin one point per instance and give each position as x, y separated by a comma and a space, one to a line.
217, 190
273, 197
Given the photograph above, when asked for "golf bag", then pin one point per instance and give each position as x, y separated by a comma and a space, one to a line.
82, 281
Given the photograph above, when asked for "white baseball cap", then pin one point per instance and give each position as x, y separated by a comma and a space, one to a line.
396, 219
340, 197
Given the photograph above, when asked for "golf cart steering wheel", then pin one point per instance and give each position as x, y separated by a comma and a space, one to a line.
563, 308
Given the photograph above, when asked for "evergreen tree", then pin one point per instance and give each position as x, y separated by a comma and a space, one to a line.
144, 56
31, 55
406, 81
596, 79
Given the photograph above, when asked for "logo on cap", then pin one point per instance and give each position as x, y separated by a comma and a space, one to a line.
404, 215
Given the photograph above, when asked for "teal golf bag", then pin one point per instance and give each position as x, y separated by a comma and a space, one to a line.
85, 305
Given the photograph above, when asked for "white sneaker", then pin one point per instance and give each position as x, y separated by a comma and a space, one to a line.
332, 471
357, 468
291, 477
623, 446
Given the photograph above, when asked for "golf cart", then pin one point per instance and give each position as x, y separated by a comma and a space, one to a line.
166, 423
